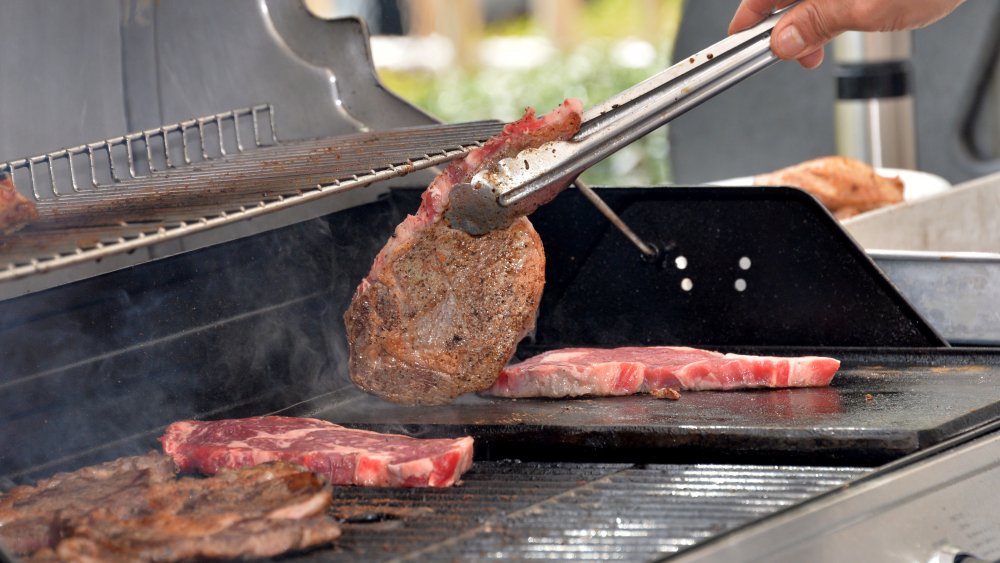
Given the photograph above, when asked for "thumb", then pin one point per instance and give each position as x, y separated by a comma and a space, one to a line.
807, 27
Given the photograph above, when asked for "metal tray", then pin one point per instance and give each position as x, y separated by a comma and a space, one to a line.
943, 253
957, 292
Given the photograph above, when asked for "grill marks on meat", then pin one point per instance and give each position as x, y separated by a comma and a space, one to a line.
133, 509
342, 455
441, 311
257, 512
31, 516
15, 210
843, 185
574, 372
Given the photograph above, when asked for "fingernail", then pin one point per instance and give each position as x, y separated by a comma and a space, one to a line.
790, 43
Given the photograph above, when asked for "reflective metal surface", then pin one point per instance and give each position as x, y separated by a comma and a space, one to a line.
944, 504
550, 511
187, 184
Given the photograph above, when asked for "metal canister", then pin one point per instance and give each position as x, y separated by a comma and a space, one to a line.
874, 109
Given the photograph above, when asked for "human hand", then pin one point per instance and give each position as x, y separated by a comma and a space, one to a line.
802, 32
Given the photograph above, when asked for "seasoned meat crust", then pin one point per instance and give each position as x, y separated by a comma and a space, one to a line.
441, 311
15, 210
444, 317
30, 515
134, 509
262, 511
843, 185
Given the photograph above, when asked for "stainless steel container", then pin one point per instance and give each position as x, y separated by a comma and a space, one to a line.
874, 117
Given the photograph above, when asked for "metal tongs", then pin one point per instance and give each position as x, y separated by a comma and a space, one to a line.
519, 185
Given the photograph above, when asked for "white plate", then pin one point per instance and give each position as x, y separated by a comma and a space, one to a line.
916, 184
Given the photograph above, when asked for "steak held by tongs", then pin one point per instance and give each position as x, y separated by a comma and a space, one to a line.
458, 284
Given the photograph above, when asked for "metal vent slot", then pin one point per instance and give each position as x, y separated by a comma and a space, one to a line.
126, 193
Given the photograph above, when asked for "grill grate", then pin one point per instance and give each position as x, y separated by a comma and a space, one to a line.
138, 155
119, 195
508, 510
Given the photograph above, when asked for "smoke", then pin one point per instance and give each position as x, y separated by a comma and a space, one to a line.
96, 369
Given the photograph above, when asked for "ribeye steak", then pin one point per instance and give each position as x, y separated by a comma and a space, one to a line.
441, 311
574, 372
344, 456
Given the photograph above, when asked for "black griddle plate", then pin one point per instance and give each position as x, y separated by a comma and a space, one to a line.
880, 407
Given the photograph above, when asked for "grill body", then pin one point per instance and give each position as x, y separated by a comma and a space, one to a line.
250, 323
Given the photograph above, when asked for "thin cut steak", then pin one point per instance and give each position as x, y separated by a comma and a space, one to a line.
255, 512
573, 372
342, 455
30, 515
441, 311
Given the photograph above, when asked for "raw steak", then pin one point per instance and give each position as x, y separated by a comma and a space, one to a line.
15, 210
573, 372
255, 512
342, 455
30, 515
441, 310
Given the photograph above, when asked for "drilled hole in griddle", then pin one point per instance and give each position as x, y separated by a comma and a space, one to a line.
655, 257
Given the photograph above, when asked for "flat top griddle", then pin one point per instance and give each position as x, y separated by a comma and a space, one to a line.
810, 290
879, 407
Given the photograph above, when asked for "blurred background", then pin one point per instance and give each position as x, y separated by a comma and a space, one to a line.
463, 60
473, 59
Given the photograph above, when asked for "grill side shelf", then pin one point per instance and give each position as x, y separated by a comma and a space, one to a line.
100, 203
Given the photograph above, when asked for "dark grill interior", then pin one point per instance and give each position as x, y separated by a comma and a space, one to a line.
255, 326
512, 510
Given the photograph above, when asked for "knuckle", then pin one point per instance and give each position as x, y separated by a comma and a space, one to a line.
818, 26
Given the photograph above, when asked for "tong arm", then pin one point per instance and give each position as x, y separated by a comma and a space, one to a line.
519, 185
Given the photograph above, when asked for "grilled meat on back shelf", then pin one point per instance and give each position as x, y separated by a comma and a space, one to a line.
16, 210
843, 185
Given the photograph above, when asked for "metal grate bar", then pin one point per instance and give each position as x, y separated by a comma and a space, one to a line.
116, 159
568, 511
138, 196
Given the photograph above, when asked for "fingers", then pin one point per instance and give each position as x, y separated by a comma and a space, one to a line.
812, 60
751, 12
802, 32
807, 27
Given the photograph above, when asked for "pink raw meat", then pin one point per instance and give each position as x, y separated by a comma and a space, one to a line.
573, 372
342, 455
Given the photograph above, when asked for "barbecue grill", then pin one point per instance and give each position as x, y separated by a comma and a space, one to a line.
201, 270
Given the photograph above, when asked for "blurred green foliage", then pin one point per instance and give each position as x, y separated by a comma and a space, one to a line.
588, 72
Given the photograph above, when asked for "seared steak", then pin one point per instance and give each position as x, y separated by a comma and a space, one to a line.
256, 512
441, 310
31, 516
15, 210
574, 372
342, 455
